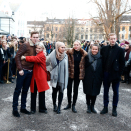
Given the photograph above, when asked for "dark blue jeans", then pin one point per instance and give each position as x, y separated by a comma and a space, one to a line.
115, 88
22, 83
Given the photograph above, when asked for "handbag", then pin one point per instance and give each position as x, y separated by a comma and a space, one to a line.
47, 72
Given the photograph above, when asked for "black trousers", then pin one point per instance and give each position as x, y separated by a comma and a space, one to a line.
42, 105
54, 95
75, 90
90, 100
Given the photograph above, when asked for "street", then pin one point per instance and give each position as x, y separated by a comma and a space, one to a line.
67, 120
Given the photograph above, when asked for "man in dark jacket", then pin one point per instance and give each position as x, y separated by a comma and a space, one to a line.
24, 74
1, 63
113, 65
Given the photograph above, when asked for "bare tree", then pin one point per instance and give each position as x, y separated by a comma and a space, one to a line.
69, 28
109, 13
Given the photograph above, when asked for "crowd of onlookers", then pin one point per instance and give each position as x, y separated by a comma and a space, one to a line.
8, 49
9, 46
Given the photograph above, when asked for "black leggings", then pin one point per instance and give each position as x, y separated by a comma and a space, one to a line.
54, 95
90, 100
75, 90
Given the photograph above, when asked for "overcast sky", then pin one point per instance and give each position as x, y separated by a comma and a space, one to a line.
40, 9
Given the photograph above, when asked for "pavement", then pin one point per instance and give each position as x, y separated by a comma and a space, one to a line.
67, 120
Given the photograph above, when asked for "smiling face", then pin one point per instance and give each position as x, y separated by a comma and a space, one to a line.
94, 50
61, 49
77, 46
34, 38
38, 49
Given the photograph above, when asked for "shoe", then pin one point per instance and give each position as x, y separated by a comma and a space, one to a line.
93, 110
58, 111
123, 81
114, 112
2, 82
88, 109
12, 77
73, 109
16, 113
67, 107
10, 80
32, 112
43, 111
105, 110
55, 108
25, 111
4, 78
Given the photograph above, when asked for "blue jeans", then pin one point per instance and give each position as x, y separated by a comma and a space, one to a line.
22, 83
115, 88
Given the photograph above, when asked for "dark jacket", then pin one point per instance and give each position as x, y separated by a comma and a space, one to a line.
93, 79
1, 55
7, 54
26, 49
117, 62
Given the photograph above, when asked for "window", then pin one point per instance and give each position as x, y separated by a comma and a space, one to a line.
47, 35
81, 36
82, 29
86, 37
123, 28
100, 36
123, 36
55, 35
129, 37
129, 28
90, 29
47, 28
90, 37
86, 29
95, 36
56, 29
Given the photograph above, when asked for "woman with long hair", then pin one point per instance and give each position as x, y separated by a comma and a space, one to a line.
58, 60
76, 57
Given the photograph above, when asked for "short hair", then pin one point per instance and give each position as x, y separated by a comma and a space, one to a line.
34, 32
96, 46
2, 36
78, 41
111, 34
42, 46
21, 41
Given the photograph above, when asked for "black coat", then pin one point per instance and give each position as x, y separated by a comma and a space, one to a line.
117, 62
1, 55
93, 79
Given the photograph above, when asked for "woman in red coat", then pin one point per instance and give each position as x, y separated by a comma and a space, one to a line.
39, 78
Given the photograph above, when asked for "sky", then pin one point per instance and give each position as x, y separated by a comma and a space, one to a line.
60, 9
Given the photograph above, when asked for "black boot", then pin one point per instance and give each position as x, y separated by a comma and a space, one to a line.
16, 113
114, 112
74, 109
67, 107
88, 109
105, 110
58, 110
93, 110
55, 108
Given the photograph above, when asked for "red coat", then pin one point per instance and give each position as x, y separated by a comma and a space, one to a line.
39, 74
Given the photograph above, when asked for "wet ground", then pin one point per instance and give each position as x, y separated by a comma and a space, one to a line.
67, 120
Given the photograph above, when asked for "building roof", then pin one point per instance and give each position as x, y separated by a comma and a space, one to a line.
126, 18
2, 15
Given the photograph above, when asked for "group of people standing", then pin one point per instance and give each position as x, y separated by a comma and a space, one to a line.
8, 49
93, 68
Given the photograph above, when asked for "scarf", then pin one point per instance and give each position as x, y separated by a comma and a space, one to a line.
59, 74
93, 58
59, 55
